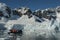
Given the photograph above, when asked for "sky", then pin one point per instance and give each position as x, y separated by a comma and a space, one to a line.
32, 4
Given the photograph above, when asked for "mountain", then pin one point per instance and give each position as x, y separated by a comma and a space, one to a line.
40, 24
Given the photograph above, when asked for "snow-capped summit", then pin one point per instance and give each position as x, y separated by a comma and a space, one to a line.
23, 11
49, 13
2, 5
5, 10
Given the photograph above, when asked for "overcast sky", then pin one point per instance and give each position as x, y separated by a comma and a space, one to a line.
32, 4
